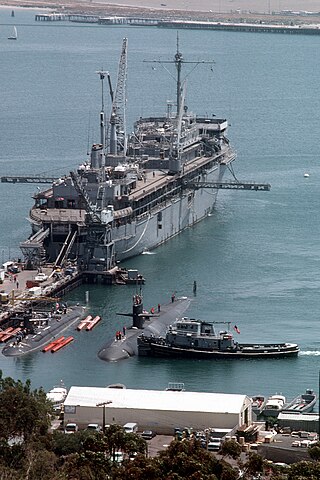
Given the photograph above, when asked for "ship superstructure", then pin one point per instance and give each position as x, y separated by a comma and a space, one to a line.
137, 191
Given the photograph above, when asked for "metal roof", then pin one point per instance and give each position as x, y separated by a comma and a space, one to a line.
306, 417
156, 399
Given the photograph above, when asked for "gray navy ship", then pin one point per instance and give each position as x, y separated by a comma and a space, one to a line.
137, 191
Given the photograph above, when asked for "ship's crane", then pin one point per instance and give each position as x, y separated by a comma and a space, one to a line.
118, 137
89, 207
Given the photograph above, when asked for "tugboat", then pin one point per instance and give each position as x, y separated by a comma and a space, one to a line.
191, 338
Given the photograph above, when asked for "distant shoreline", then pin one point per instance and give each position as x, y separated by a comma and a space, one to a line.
207, 10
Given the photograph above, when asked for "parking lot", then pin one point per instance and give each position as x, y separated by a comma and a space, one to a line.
158, 443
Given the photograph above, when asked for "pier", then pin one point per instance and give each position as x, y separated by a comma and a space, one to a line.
21, 291
51, 17
243, 26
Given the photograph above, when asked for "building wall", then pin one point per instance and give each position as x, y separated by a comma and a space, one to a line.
162, 422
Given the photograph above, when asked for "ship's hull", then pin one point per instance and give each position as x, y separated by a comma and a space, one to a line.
144, 232
159, 349
177, 214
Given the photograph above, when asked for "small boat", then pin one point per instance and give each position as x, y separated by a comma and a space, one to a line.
14, 34
175, 387
274, 405
190, 338
57, 396
257, 404
302, 403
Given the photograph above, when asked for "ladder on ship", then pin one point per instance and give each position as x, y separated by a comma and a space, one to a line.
65, 249
33, 249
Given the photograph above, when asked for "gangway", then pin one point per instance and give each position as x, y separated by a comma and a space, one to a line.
33, 249
27, 179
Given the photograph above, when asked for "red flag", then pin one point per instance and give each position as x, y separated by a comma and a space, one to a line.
236, 329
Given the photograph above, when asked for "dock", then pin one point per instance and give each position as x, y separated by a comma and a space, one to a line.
21, 291
288, 28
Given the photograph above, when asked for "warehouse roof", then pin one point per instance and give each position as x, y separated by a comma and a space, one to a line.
155, 399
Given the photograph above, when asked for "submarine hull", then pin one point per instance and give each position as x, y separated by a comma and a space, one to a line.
120, 349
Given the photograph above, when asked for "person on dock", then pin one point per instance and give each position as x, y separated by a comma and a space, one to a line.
159, 307
173, 297
124, 331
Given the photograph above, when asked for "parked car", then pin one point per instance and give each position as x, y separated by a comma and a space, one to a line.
41, 277
118, 457
130, 427
71, 428
14, 269
93, 427
214, 445
148, 434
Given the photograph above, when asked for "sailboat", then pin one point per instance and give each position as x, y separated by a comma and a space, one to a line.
14, 34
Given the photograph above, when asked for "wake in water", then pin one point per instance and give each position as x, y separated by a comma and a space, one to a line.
310, 353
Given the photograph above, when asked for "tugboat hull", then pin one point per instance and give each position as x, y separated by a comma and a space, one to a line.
154, 348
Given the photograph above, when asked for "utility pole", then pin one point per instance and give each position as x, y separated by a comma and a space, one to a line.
103, 405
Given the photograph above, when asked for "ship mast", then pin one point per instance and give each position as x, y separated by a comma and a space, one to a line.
178, 61
178, 58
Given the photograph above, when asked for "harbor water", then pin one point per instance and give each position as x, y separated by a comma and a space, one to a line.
256, 259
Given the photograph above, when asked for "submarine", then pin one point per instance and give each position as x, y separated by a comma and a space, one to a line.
125, 345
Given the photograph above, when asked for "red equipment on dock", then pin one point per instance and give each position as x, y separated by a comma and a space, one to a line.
84, 322
93, 323
52, 344
64, 342
6, 337
5, 332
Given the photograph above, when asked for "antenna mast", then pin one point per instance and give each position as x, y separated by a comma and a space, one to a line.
178, 61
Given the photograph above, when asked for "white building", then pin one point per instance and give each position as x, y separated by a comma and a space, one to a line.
161, 411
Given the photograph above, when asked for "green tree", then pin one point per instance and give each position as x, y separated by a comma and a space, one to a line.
304, 471
230, 448
314, 451
254, 464
23, 412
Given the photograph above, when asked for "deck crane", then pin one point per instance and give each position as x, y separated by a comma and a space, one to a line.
99, 244
118, 137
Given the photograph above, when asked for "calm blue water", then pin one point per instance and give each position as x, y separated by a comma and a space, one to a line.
256, 259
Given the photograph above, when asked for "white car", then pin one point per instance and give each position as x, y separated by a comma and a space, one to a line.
71, 428
93, 427
41, 277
